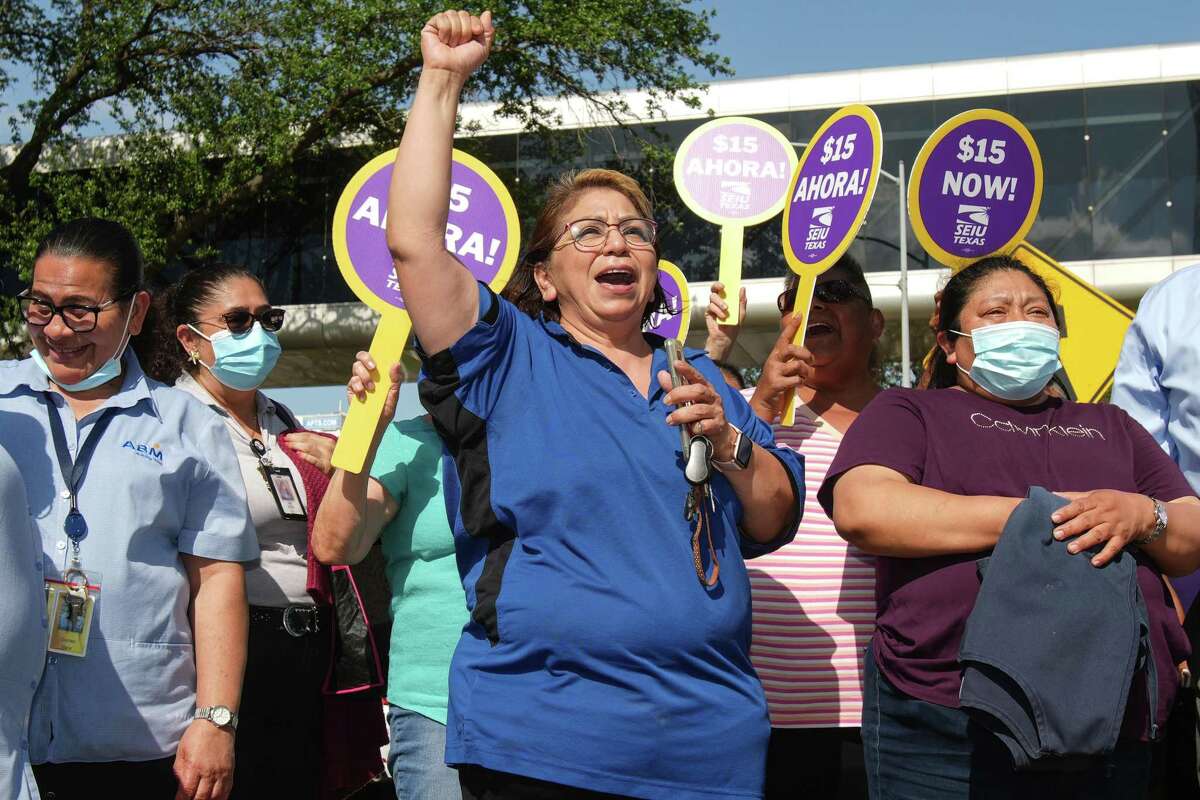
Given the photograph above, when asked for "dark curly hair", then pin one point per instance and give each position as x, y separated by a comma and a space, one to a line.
159, 351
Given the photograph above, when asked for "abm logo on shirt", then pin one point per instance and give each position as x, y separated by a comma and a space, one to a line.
150, 452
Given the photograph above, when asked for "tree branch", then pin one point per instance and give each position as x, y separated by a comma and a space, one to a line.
64, 104
318, 128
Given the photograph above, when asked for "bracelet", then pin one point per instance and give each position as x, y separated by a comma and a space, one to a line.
1160, 524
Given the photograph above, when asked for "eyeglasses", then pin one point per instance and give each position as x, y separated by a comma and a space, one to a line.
240, 320
835, 291
590, 234
78, 317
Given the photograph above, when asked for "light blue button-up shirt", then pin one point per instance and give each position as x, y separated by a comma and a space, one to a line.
1158, 377
163, 481
22, 624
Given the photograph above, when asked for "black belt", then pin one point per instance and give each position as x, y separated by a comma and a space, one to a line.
295, 620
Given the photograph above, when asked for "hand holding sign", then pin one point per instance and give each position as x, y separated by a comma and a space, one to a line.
362, 381
482, 231
722, 336
830, 194
734, 172
788, 366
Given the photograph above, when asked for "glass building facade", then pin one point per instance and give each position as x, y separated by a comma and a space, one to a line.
1122, 180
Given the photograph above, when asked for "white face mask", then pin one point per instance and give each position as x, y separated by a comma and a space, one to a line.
242, 361
1014, 360
107, 371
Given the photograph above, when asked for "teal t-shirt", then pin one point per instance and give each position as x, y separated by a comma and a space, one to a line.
428, 606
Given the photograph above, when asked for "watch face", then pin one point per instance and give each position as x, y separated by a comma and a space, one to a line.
220, 715
744, 449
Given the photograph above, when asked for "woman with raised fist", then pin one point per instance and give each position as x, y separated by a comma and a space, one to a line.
607, 652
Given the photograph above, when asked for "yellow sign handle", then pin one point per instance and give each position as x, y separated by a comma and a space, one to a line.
387, 345
729, 270
804, 296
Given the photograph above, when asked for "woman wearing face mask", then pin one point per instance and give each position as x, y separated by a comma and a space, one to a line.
607, 650
217, 341
926, 481
142, 521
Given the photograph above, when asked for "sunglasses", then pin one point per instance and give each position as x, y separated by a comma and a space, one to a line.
240, 320
834, 291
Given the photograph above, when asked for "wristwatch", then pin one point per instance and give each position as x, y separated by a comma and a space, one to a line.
220, 716
743, 448
1160, 524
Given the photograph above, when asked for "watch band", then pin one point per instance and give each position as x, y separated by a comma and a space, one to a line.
220, 716
743, 448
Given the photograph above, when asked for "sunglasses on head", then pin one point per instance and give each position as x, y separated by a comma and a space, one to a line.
240, 320
834, 291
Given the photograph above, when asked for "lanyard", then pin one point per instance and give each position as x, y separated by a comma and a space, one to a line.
75, 526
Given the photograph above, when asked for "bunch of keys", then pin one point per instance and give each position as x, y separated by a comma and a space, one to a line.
695, 497
696, 449
71, 607
75, 597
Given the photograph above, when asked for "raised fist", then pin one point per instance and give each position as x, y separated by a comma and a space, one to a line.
457, 41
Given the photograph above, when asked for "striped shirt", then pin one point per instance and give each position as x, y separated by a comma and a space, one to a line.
814, 603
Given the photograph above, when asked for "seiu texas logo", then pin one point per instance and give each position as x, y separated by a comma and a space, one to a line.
150, 452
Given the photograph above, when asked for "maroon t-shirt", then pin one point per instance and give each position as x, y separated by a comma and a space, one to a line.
962, 443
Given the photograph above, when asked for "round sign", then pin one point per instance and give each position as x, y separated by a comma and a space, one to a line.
673, 320
975, 187
482, 230
734, 171
832, 189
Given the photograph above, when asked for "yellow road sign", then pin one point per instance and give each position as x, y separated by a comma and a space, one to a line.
1093, 328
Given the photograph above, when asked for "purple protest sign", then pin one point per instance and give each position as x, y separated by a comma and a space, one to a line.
672, 322
832, 189
734, 171
482, 230
976, 187
828, 200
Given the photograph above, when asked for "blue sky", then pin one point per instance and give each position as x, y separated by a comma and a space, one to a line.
765, 38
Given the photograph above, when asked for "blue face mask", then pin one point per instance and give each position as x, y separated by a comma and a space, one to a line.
108, 370
243, 360
1014, 360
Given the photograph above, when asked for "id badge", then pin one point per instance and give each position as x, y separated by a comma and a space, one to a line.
70, 609
283, 489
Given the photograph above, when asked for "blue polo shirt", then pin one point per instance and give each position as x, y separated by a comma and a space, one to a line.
594, 657
163, 481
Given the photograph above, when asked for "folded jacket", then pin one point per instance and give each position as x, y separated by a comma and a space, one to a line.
1053, 643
